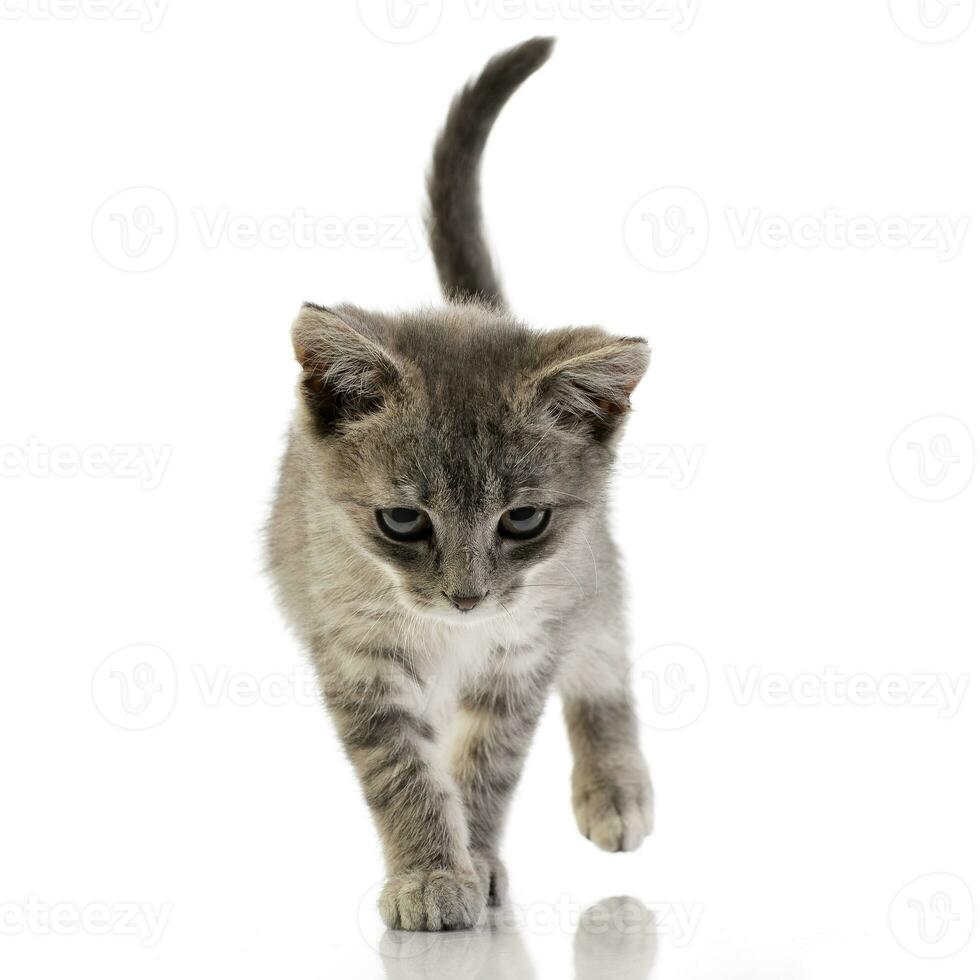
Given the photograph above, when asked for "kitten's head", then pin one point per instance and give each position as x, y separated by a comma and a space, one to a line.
464, 450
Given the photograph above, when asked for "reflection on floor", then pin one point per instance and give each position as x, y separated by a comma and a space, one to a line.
615, 938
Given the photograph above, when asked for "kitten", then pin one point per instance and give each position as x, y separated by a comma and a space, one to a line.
439, 540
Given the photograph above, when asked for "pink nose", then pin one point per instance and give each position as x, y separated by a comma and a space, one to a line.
464, 603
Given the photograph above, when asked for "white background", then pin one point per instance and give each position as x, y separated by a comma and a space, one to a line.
807, 535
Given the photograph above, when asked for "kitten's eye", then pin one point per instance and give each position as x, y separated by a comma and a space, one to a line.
523, 523
404, 524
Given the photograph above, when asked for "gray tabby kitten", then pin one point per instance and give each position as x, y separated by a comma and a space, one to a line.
440, 541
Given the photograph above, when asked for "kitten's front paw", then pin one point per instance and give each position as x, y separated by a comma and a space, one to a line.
431, 900
493, 877
615, 814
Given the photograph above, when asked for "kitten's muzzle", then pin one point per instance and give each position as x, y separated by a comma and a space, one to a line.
464, 603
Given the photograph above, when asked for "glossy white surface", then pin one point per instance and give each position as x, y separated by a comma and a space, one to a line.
802, 548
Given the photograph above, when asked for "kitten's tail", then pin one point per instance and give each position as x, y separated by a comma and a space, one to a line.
456, 218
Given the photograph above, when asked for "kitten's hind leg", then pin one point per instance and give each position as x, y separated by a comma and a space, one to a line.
611, 792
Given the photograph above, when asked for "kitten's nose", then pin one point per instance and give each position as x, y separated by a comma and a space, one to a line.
464, 603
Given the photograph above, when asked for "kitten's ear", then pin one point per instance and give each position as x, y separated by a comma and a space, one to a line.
587, 376
346, 372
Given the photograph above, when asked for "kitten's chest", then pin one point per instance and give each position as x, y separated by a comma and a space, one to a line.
475, 656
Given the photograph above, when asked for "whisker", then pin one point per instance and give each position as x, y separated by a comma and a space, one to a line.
570, 572
544, 436
595, 564
510, 615
540, 585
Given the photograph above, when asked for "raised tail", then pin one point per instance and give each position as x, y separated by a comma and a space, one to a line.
456, 217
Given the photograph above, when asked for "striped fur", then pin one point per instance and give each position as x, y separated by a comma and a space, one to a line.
463, 412
456, 218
